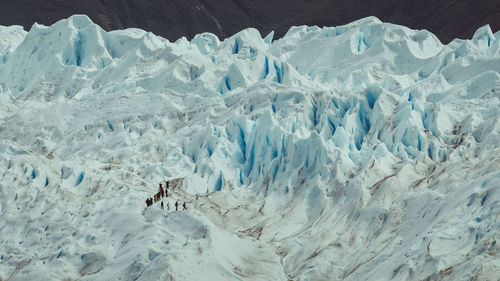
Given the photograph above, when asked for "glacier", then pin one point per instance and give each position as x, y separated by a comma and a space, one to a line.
367, 151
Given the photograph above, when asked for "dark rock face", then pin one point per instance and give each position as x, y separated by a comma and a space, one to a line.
172, 19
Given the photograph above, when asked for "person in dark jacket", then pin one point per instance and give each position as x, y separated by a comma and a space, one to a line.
184, 206
176, 205
162, 205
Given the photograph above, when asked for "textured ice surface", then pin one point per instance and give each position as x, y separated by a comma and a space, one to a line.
364, 151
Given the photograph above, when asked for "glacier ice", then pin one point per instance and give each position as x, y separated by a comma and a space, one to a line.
363, 151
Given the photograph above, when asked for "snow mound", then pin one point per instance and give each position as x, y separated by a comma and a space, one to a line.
364, 151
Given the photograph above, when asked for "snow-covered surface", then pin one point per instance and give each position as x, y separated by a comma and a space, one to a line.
361, 152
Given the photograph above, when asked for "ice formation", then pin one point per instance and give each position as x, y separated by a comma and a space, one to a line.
360, 152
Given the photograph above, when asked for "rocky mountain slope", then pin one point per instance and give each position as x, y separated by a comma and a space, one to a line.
174, 19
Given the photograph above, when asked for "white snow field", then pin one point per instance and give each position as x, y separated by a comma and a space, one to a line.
368, 151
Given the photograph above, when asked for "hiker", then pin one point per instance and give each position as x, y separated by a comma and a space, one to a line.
166, 192
162, 205
168, 206
161, 191
167, 185
176, 205
184, 206
147, 203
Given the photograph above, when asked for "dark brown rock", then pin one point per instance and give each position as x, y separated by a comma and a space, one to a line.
175, 18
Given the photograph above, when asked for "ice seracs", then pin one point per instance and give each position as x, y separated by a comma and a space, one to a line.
364, 151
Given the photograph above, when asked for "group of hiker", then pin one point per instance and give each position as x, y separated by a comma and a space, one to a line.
159, 197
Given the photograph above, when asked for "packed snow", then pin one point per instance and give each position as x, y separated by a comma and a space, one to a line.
368, 151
